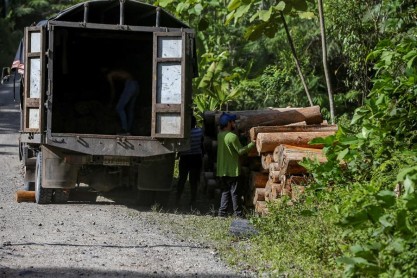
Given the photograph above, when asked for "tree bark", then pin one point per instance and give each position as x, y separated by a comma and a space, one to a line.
253, 132
297, 62
267, 142
269, 117
284, 151
258, 179
325, 63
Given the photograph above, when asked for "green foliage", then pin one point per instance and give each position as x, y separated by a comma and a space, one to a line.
297, 240
380, 157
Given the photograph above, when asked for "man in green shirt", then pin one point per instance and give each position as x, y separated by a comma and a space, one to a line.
229, 149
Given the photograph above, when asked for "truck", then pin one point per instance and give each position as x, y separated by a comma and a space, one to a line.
69, 131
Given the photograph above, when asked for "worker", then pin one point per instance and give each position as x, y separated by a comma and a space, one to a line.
190, 162
125, 106
229, 149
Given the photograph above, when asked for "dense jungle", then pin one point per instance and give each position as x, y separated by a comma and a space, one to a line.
356, 60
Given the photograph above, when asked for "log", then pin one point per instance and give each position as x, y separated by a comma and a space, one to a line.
276, 189
261, 208
294, 151
259, 195
267, 142
296, 192
311, 115
266, 159
297, 180
25, 196
285, 187
274, 166
274, 176
288, 158
253, 132
267, 117
292, 168
258, 179
267, 191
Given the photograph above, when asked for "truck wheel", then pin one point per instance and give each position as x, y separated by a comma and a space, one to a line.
61, 196
42, 195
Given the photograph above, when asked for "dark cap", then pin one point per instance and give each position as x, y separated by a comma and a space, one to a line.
225, 118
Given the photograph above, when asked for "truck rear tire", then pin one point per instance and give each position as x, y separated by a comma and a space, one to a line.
61, 196
42, 195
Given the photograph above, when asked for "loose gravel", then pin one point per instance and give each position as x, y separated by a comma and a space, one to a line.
81, 239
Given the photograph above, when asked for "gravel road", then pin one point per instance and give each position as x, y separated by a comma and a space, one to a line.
102, 239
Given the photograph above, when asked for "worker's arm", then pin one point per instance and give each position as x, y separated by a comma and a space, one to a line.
234, 140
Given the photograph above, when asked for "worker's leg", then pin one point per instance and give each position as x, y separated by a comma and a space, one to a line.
182, 175
225, 197
129, 91
236, 198
195, 171
132, 104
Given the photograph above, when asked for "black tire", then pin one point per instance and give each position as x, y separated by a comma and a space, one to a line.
61, 196
42, 195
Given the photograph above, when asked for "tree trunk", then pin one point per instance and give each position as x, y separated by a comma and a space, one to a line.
325, 64
290, 128
297, 62
266, 159
267, 142
269, 117
288, 150
258, 179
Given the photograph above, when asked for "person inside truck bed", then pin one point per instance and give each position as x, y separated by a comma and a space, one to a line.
125, 106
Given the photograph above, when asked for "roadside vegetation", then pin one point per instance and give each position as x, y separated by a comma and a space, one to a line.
358, 219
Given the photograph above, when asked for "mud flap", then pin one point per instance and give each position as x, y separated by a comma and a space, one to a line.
57, 173
156, 173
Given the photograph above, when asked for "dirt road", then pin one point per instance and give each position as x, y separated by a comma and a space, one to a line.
101, 239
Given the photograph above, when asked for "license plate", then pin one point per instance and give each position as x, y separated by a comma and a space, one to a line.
116, 161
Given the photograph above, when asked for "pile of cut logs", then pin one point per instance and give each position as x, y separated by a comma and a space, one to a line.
271, 170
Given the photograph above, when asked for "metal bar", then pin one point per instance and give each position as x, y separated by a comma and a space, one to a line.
122, 12
85, 13
158, 16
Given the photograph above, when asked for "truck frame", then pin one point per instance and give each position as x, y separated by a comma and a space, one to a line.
68, 130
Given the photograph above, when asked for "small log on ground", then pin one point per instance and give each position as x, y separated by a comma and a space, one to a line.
25, 196
267, 142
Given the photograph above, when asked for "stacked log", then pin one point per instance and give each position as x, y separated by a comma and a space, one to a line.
281, 153
282, 137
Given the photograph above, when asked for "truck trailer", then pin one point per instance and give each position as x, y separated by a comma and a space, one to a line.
69, 126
